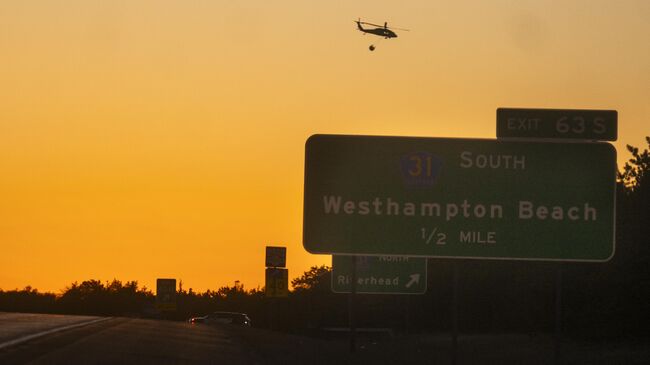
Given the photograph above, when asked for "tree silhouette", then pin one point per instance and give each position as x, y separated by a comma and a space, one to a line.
636, 171
27, 300
317, 278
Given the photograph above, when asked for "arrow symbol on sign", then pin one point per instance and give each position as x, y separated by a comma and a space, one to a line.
415, 279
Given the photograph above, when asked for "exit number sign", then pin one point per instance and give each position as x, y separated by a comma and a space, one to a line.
600, 125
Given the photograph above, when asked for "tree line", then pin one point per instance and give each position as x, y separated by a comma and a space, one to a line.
599, 299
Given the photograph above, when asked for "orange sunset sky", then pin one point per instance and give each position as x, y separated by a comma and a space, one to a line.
146, 139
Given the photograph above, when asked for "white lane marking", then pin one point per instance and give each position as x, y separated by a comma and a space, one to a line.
50, 331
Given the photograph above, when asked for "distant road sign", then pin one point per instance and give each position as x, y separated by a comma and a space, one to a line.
276, 256
380, 274
599, 125
166, 294
459, 198
277, 283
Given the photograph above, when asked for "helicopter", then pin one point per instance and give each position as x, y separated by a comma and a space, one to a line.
384, 31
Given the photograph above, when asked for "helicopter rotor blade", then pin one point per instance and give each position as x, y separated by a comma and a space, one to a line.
376, 25
380, 26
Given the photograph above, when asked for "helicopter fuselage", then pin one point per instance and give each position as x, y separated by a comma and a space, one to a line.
382, 32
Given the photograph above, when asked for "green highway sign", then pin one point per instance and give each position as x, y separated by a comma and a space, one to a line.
380, 274
459, 198
600, 125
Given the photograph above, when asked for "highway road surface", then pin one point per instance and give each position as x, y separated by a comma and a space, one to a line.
34, 339
39, 339
122, 341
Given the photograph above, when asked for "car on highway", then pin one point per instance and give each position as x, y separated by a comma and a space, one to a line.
235, 318
200, 319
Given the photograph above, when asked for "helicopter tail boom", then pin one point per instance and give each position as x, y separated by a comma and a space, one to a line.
359, 25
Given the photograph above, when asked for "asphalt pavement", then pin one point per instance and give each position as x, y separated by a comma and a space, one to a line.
37, 339
16, 327
93, 340
132, 341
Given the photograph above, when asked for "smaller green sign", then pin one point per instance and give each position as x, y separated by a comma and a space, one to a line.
277, 283
380, 274
598, 125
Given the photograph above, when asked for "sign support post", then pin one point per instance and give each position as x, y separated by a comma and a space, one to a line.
558, 315
454, 314
407, 314
352, 307
270, 313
